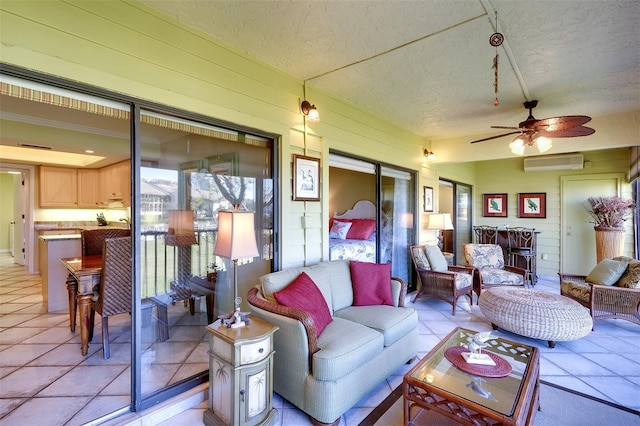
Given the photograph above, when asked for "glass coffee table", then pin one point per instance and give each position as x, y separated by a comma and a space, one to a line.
437, 384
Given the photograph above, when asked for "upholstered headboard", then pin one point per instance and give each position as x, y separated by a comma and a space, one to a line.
363, 209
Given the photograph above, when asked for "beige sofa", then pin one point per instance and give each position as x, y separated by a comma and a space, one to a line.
325, 376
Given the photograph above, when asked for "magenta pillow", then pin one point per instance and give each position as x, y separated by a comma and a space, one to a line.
371, 283
304, 294
361, 229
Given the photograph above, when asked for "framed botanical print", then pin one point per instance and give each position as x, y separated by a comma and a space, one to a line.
306, 178
428, 199
532, 204
494, 205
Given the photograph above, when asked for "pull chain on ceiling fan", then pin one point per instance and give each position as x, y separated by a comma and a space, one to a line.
538, 132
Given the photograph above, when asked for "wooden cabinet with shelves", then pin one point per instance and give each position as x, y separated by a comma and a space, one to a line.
58, 187
116, 183
85, 188
89, 188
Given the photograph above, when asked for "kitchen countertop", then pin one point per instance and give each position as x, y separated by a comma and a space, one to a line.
48, 238
75, 225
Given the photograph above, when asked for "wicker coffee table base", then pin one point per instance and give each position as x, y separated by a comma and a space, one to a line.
535, 314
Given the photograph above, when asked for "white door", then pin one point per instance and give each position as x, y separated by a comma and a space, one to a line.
19, 249
577, 238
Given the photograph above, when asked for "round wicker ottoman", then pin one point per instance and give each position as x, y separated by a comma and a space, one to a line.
535, 314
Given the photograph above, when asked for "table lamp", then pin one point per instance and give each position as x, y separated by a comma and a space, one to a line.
236, 240
439, 222
181, 234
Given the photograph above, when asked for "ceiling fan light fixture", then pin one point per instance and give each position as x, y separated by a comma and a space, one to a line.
310, 111
517, 146
544, 144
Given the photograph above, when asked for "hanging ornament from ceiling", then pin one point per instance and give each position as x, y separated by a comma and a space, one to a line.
496, 40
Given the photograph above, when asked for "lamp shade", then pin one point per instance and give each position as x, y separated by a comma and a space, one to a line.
236, 235
181, 230
439, 221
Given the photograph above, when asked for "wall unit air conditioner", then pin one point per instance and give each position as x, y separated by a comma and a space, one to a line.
554, 162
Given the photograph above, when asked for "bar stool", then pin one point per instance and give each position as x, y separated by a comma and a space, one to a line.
522, 244
486, 234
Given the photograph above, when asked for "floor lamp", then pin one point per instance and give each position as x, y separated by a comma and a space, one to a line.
439, 222
236, 240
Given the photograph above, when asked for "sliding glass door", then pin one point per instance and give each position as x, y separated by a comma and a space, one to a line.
362, 190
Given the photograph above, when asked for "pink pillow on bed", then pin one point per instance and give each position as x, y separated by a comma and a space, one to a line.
361, 229
304, 294
371, 283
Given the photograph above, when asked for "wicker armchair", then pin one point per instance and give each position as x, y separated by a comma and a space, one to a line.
114, 294
620, 300
435, 279
491, 271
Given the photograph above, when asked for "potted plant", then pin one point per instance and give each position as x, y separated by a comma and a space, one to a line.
609, 214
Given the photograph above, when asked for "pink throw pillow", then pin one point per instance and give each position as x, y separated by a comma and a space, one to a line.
304, 294
361, 229
371, 283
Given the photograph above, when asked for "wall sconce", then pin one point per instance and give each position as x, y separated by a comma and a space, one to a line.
310, 111
429, 155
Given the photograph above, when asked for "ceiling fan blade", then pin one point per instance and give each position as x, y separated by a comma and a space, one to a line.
504, 127
566, 122
569, 133
496, 137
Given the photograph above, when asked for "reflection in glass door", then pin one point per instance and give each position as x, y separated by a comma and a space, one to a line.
455, 198
190, 171
397, 224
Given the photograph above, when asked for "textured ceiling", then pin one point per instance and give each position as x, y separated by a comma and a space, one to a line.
427, 65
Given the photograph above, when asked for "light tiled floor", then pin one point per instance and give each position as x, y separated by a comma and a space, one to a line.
39, 358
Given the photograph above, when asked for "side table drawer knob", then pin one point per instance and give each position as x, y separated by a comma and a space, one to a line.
261, 350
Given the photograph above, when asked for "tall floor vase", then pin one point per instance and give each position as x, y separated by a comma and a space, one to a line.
609, 243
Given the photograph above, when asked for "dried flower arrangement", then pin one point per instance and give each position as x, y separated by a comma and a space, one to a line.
609, 212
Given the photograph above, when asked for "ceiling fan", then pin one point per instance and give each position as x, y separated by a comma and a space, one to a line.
538, 132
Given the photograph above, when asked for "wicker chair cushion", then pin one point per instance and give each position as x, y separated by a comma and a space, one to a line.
607, 272
576, 289
484, 256
463, 280
500, 276
631, 277
436, 259
420, 257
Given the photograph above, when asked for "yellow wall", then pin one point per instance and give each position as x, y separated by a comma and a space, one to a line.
127, 48
508, 176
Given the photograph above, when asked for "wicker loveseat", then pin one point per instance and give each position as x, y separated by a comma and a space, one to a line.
325, 374
620, 300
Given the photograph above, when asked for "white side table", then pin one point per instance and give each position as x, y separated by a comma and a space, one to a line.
241, 374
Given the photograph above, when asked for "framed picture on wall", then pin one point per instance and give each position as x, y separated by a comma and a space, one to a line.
532, 205
428, 199
494, 205
306, 178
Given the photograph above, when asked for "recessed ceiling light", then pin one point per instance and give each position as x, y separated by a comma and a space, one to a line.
40, 156
89, 151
